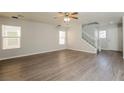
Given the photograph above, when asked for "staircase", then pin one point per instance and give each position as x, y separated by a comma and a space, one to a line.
88, 39
90, 34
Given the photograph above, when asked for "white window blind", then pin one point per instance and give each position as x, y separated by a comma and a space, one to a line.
62, 37
11, 36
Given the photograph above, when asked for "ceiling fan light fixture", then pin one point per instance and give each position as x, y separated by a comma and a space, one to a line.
66, 19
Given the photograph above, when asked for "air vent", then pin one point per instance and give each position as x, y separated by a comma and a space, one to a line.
15, 17
18, 16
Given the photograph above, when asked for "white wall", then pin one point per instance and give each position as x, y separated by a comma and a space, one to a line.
35, 38
123, 34
114, 37
113, 42
75, 41
40, 37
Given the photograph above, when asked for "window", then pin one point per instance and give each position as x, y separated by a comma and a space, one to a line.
11, 36
102, 34
61, 37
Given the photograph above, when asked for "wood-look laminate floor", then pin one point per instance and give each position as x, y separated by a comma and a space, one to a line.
64, 65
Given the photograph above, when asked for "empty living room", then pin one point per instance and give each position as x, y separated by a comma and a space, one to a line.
61, 46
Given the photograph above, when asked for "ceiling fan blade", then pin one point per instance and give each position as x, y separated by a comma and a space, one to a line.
74, 13
74, 17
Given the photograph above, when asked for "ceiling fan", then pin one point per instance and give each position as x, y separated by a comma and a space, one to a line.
67, 15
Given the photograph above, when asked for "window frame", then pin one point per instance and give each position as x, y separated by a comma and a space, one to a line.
100, 36
11, 37
62, 39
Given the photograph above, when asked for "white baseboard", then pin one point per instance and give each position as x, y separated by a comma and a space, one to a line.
29, 54
93, 52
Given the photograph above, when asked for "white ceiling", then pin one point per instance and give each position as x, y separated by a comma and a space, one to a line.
84, 17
